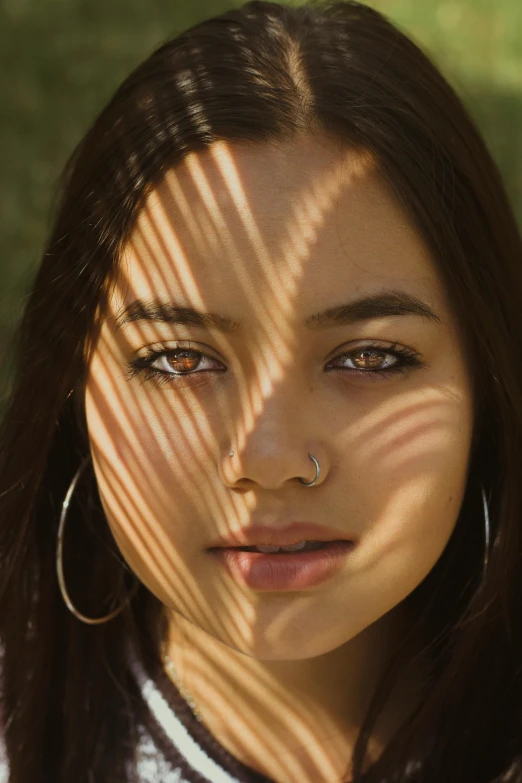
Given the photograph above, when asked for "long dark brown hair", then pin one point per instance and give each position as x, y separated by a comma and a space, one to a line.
261, 73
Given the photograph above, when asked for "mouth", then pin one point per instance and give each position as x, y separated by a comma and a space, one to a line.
299, 547
270, 568
276, 538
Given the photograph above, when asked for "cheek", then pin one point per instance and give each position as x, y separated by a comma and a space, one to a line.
151, 449
405, 466
149, 478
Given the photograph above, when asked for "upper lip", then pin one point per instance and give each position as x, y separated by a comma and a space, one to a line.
281, 535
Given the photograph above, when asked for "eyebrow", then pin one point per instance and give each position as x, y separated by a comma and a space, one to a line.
377, 305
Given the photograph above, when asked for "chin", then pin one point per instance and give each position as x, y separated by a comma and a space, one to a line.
288, 644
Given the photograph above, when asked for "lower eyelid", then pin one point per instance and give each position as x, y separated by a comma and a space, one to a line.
386, 372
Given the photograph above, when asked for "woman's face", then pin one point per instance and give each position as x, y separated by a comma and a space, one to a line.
266, 237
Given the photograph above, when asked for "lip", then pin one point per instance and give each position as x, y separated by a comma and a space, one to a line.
281, 535
283, 572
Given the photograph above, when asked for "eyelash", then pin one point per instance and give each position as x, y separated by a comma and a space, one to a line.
407, 358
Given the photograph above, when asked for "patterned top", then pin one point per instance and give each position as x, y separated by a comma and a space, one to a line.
174, 746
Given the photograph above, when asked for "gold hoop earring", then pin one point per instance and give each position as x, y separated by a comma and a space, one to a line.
59, 560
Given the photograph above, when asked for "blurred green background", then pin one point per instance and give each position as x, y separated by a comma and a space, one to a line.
62, 59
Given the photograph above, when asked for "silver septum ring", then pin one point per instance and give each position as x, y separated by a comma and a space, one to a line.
317, 474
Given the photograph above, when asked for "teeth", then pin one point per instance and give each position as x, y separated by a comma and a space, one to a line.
288, 548
294, 547
267, 549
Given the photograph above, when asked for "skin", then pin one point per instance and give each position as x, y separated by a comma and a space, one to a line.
282, 678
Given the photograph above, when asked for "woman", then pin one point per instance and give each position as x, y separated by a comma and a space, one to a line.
260, 465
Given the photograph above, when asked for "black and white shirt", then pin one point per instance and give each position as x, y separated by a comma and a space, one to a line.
174, 746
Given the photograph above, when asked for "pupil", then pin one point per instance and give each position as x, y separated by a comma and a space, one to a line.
371, 358
184, 361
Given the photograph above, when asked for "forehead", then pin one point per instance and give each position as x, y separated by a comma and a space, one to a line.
304, 222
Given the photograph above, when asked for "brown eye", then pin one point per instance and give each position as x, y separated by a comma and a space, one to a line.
184, 361
177, 365
369, 359
376, 361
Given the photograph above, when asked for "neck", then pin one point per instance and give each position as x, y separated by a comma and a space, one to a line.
294, 719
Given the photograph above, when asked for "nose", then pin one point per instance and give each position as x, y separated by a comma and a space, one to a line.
276, 449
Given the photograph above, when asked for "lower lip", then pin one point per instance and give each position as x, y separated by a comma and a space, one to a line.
297, 571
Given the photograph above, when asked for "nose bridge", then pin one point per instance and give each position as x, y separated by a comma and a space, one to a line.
274, 431
275, 413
